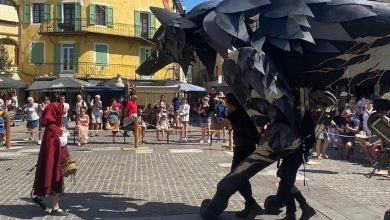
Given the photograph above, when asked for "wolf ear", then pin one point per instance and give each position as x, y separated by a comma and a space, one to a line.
165, 17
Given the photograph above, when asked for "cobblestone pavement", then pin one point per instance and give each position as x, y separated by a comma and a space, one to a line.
169, 181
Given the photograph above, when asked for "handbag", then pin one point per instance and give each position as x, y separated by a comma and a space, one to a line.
68, 167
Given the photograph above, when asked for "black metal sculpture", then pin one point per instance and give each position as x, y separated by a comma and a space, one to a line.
271, 49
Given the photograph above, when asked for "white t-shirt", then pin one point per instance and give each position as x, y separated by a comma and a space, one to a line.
66, 109
32, 112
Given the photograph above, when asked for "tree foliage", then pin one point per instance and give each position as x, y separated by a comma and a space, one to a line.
5, 62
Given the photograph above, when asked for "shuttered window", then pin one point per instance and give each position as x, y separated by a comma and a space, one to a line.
27, 13
101, 15
38, 13
37, 53
101, 54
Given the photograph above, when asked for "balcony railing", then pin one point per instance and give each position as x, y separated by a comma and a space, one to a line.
81, 26
87, 70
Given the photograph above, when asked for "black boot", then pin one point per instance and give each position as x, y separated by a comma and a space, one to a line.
250, 211
307, 212
205, 212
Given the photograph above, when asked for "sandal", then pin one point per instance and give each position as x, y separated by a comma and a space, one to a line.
39, 202
59, 212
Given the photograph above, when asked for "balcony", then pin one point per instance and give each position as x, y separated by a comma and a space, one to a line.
90, 70
81, 26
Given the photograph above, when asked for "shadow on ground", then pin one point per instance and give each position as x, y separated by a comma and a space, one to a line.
100, 205
319, 171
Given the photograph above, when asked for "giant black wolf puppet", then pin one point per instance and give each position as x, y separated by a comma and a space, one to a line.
271, 49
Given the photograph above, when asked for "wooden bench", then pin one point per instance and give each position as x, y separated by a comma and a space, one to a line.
210, 133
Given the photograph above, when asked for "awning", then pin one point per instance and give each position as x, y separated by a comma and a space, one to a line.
104, 89
7, 83
8, 13
59, 84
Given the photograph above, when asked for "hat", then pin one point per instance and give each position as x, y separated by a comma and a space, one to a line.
346, 112
221, 95
134, 97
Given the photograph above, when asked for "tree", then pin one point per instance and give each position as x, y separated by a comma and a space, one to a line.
5, 62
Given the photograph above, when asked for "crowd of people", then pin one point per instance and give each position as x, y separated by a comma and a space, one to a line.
91, 116
348, 129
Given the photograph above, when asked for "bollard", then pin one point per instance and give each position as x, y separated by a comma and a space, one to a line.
136, 132
8, 132
230, 140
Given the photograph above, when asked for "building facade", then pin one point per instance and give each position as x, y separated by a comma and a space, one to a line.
9, 30
88, 39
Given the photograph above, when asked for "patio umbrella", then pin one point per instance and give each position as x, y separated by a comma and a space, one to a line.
191, 88
7, 83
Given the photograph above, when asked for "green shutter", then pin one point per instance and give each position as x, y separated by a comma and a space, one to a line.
142, 55
152, 26
37, 53
58, 16
110, 17
137, 23
101, 54
27, 13
47, 12
76, 54
92, 17
77, 22
57, 58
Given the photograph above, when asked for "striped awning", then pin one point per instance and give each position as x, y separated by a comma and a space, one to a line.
8, 13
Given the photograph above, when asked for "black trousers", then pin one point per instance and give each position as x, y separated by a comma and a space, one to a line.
245, 188
261, 158
287, 191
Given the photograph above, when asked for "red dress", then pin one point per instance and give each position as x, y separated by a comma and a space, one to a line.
48, 179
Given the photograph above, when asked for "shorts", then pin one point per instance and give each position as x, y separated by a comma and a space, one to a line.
205, 119
96, 118
31, 124
66, 122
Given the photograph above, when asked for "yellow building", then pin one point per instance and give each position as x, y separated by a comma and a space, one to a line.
9, 30
87, 39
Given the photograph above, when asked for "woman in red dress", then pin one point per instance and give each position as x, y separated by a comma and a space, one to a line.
48, 179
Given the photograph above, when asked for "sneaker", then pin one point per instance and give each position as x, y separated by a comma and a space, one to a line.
185, 139
59, 212
307, 212
208, 141
79, 144
201, 141
375, 163
250, 211
39, 142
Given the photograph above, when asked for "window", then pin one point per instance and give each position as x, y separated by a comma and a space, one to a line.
67, 58
7, 2
144, 53
100, 15
101, 54
145, 25
37, 53
38, 13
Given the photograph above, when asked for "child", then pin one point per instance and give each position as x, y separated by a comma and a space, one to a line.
162, 127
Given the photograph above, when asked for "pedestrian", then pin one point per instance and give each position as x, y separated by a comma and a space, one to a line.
245, 139
113, 119
162, 126
220, 110
204, 110
82, 126
131, 114
184, 112
48, 179
80, 103
141, 125
32, 110
66, 111
42, 107
96, 114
